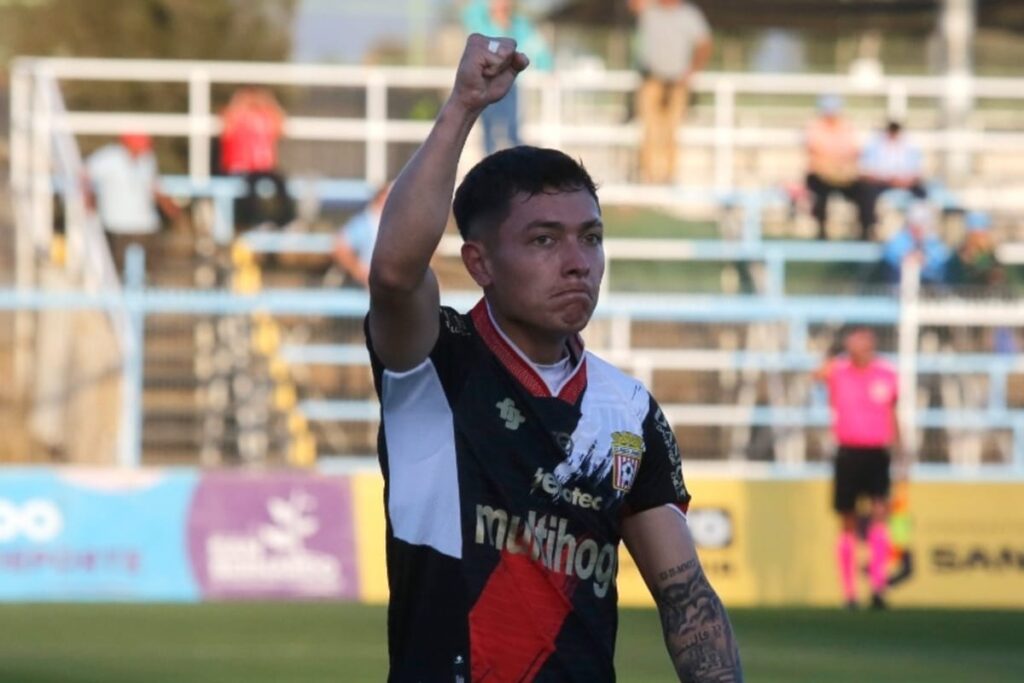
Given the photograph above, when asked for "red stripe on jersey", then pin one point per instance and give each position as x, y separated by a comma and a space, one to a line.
513, 361
516, 619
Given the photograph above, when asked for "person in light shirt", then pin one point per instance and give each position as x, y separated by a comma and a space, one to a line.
354, 242
673, 45
862, 395
832, 164
122, 186
890, 162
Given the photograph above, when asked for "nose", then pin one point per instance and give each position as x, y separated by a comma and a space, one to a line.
575, 259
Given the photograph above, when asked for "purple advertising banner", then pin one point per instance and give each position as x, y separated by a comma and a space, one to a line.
273, 535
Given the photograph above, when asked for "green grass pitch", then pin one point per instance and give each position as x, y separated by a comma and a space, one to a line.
331, 642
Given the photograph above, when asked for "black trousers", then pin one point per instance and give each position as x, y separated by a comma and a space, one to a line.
873, 190
266, 201
855, 192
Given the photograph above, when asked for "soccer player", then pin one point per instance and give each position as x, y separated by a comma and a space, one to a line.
862, 394
514, 459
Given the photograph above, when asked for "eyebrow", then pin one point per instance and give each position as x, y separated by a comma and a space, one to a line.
558, 225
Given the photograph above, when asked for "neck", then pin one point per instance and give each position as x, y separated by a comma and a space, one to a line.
540, 348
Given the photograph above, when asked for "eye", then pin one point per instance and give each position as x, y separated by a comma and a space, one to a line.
593, 238
543, 240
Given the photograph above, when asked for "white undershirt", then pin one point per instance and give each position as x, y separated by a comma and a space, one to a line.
556, 374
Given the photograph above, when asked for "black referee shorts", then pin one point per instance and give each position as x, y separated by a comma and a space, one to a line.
860, 471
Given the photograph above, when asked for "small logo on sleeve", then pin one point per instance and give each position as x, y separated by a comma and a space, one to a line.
508, 412
627, 451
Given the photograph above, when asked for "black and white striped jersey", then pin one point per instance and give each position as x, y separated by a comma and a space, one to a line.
504, 501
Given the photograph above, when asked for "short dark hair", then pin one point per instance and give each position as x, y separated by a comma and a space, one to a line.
486, 192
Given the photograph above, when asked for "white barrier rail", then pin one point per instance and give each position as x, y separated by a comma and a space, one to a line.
553, 124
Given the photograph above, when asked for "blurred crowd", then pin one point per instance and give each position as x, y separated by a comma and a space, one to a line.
672, 44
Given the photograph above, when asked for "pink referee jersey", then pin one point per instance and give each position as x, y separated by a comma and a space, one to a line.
862, 401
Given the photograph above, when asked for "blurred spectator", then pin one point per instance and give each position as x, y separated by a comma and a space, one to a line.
917, 240
122, 187
779, 50
252, 126
674, 42
974, 268
889, 161
354, 243
501, 18
974, 264
832, 164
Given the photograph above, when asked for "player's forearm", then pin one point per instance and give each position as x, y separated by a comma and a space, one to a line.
697, 632
416, 213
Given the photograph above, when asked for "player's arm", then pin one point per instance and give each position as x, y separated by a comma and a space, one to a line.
697, 632
404, 295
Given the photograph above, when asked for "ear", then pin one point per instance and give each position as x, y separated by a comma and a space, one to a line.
474, 257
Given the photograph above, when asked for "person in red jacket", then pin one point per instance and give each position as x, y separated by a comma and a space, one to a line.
253, 123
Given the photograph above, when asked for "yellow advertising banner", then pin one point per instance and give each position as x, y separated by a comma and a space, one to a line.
773, 543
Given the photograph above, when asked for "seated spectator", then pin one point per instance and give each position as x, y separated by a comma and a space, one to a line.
832, 164
354, 243
252, 125
917, 240
889, 161
974, 264
975, 269
121, 185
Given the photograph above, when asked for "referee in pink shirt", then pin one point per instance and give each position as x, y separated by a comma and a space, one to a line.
862, 394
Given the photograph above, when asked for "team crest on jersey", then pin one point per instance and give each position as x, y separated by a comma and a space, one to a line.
627, 450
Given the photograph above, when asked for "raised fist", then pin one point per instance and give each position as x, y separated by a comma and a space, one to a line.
486, 71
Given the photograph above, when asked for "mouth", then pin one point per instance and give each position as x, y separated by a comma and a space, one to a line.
573, 293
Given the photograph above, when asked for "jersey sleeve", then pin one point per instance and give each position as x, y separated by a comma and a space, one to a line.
659, 480
448, 356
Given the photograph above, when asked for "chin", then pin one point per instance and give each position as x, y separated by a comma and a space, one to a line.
574, 321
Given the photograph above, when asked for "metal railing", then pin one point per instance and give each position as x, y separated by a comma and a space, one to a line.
555, 121
616, 315
35, 124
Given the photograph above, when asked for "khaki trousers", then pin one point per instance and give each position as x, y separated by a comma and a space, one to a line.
661, 106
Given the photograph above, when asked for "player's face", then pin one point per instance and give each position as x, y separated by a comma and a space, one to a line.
543, 266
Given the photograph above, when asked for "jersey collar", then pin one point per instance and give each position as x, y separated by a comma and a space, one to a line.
520, 367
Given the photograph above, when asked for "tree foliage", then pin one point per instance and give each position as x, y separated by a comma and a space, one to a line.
250, 30
165, 29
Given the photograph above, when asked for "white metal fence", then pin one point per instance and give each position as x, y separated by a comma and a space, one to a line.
581, 109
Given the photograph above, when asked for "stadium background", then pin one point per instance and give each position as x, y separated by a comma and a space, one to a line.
717, 297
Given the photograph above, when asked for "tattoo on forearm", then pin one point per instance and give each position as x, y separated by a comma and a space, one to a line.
676, 571
697, 631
